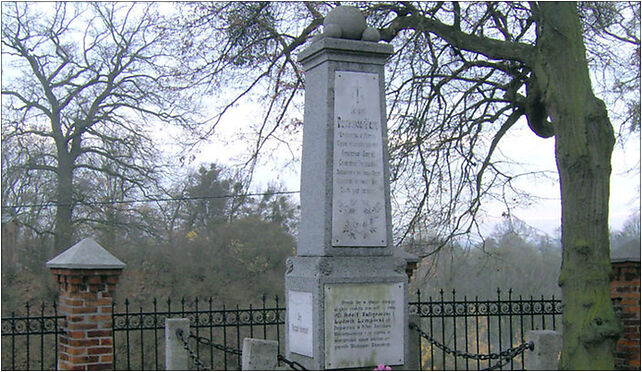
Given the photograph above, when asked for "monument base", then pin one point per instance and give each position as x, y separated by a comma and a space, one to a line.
346, 312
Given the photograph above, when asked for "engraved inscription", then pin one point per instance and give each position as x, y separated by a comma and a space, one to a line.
300, 323
358, 204
364, 325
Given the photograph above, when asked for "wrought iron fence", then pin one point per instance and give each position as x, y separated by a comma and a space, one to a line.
479, 326
30, 340
472, 326
139, 339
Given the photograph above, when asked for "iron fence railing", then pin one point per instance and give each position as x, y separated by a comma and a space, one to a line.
139, 335
30, 340
480, 326
470, 326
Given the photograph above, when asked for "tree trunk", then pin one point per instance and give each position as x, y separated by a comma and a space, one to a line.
584, 143
64, 196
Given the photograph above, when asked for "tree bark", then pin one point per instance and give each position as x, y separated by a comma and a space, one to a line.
583, 145
64, 197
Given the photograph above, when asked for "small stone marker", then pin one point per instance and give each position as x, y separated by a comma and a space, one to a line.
259, 355
546, 354
176, 357
346, 293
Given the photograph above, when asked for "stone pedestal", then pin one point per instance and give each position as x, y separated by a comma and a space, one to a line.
87, 276
346, 293
346, 312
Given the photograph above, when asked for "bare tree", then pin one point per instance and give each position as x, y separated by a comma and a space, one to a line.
612, 38
513, 61
247, 48
87, 80
463, 76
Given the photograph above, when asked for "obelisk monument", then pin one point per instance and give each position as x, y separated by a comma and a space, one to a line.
346, 295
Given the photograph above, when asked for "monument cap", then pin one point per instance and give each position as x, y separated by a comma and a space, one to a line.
346, 22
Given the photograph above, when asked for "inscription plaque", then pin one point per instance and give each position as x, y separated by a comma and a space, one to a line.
363, 325
358, 202
300, 323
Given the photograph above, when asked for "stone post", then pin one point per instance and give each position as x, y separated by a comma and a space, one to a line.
259, 355
87, 276
346, 293
546, 354
625, 294
176, 357
414, 345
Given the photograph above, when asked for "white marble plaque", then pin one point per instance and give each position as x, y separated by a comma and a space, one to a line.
300, 323
358, 199
364, 325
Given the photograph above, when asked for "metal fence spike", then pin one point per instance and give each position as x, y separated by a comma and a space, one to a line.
229, 324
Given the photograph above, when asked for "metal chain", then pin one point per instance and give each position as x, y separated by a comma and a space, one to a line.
205, 341
503, 356
294, 365
502, 362
208, 342
199, 363
507, 354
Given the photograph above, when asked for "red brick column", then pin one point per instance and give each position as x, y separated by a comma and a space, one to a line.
85, 299
625, 294
87, 276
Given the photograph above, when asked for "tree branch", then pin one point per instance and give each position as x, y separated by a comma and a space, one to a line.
491, 48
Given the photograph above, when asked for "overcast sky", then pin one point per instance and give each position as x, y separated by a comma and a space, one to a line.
529, 152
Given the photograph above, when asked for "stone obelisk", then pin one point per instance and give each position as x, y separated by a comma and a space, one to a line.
346, 295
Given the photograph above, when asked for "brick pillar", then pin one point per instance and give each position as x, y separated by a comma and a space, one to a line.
411, 260
87, 276
625, 294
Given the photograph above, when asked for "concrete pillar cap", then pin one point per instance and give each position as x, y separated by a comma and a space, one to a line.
86, 254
